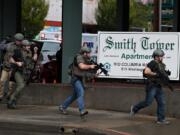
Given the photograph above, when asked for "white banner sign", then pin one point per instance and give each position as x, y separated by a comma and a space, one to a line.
125, 54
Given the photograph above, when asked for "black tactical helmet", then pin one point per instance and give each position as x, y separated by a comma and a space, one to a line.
25, 42
18, 36
85, 50
158, 52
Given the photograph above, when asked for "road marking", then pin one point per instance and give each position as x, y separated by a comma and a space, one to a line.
118, 132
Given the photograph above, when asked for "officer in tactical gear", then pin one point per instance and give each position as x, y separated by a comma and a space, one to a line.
13, 66
154, 87
59, 63
3, 46
81, 68
7, 64
29, 58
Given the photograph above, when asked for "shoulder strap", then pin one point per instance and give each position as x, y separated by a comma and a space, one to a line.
75, 60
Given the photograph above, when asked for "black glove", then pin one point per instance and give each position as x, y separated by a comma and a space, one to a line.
168, 72
158, 75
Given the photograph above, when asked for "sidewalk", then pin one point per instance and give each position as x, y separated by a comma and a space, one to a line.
47, 120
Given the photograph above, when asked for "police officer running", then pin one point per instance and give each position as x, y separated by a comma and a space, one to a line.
154, 87
7, 63
14, 60
81, 68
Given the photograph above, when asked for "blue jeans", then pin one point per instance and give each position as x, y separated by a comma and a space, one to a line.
78, 93
152, 91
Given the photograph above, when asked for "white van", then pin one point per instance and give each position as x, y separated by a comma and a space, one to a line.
49, 48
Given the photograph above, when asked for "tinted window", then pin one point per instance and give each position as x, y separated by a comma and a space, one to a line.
50, 47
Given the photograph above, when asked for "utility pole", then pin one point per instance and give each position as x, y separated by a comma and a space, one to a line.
176, 16
156, 21
122, 15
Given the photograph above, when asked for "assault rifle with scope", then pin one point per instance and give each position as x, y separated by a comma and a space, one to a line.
164, 78
101, 67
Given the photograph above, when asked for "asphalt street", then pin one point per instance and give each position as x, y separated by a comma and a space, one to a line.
47, 120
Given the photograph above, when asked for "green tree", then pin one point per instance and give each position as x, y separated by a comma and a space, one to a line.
106, 15
33, 14
140, 15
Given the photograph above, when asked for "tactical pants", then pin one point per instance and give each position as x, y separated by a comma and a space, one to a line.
4, 83
20, 84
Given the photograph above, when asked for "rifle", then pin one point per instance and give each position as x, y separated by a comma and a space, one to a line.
101, 67
164, 78
18, 58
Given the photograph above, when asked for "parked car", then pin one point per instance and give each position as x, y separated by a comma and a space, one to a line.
49, 49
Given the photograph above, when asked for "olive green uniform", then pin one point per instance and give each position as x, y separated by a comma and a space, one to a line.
28, 64
6, 72
13, 72
16, 74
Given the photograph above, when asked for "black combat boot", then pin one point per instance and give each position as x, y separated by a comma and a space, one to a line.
11, 104
83, 113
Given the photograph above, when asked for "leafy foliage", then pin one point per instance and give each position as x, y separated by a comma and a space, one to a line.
106, 15
33, 14
139, 15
